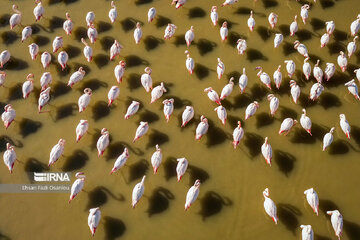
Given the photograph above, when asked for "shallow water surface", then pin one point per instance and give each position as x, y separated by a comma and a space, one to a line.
230, 203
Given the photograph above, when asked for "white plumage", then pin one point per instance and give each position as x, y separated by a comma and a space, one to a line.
44, 98
119, 71
307, 69
224, 31
77, 186
269, 206
278, 39
120, 161
103, 142
220, 68
212, 94
305, 122
76, 77
81, 129
113, 93
45, 59
137, 33
226, 91
336, 222
251, 22
187, 115
313, 200
243, 81
146, 80
84, 99
138, 191
241, 46
157, 92
9, 157
342, 61
90, 18
274, 104
345, 126
168, 108
189, 36
56, 152
304, 12
88, 52
8, 115
192, 194
221, 113
264, 77
26, 33
316, 91
92, 33
325, 38
151, 14
277, 77
68, 24
33, 50
238, 134
214, 15
15, 18
202, 128
353, 89
57, 44
94, 219
266, 151
113, 12
132, 109
181, 167
28, 85
141, 130
251, 109
301, 48
38, 10
317, 72
290, 67
330, 27
272, 19
286, 125
156, 158
329, 71
294, 26
351, 47
169, 31
189, 63
294, 91
328, 139
62, 59
307, 233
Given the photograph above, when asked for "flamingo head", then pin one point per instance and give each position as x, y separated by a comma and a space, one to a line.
138, 25
266, 140
244, 71
270, 96
88, 91
192, 28
231, 81
113, 4
342, 116
209, 89
135, 103
197, 183
83, 121
224, 25
251, 13
296, 44
239, 124
8, 107
80, 175
332, 130
304, 111
266, 192
68, 16
148, 70
62, 142
81, 70
256, 104
126, 151
158, 149
295, 122
213, 8
30, 77
104, 131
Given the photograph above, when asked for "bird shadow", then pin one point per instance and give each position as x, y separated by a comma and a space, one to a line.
270, 3
33, 165
101, 60
55, 23
5, 20
263, 120
301, 136
65, 111
196, 12
253, 142
100, 110
243, 11
288, 48
241, 101
106, 42
133, 81
114, 150
99, 196
114, 228
215, 135
329, 100
317, 24
303, 35
285, 30
134, 61
162, 21
338, 147
72, 51
103, 26
75, 161
340, 35
170, 168
335, 47
233, 37
287, 113
141, 2
16, 64
264, 33
152, 42
159, 201
179, 40
288, 215
138, 170
201, 71
229, 23
94, 84
80, 32
9, 37
4, 139
285, 161
60, 89
327, 3
255, 55
212, 204
157, 137
129, 23
205, 46
28, 126
15, 92
197, 173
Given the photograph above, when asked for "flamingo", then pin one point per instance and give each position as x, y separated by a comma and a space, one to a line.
228, 2
278, 39
90, 18
353, 89
238, 134
92, 33
286, 126
84, 100
345, 126
8, 115
115, 49
304, 13
2, 78
168, 108
45, 59
181, 167
169, 31
228, 88
76, 77
119, 71
15, 19
4, 58
68, 24
33, 50
243, 80
178, 3
269, 206
317, 72
57, 43
156, 158
189, 63
294, 26
38, 10
251, 109
313, 200
351, 47
113, 12
189, 36
151, 14
325, 38
44, 98
187, 115
202, 128
221, 112
120, 161
336, 222
9, 157
146, 79
214, 15
251, 22
224, 31
192, 194
328, 139
157, 92
266, 151
62, 59
329, 71
77, 186
301, 48
330, 27
264, 77
307, 233
28, 85
103, 142
357, 72
355, 26
94, 219
307, 68
241, 46
316, 91
141, 130
342, 61
56, 152
26, 33
138, 191
274, 104
137, 33
305, 122
212, 94
220, 69
132, 109
290, 67
113, 93
88, 52
295, 91
81, 129
277, 77
272, 19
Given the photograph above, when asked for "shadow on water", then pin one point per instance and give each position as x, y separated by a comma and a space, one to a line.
233, 121
285, 161
41, 40
140, 2
259, 92
301, 136
179, 40
114, 228
106, 42
205, 46
159, 200
138, 170
103, 26
70, 1
100, 110
4, 20
264, 33
133, 61
129, 24
263, 120
16, 64
149, 116
170, 168
253, 142
243, 11
338, 147
86, 68
6, 139
80, 32
157, 137
233, 37
201, 71
329, 100
196, 12
162, 21
288, 113
15, 93
317, 24
152, 42
340, 35
66, 110
114, 150
288, 48
99, 196
285, 30
288, 215
60, 89
75, 161
327, 3
28, 126
335, 47
197, 173
242, 101
352, 230
72, 51
34, 165
254, 55
212, 203
215, 135
9, 37
318, 237
94, 84
101, 60
303, 35
270, 3
55, 23
133, 81
355, 134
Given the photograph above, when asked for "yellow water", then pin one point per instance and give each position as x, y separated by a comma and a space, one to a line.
230, 204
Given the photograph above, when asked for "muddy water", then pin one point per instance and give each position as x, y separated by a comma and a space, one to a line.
230, 204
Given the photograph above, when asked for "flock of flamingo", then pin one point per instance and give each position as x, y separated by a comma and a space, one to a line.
287, 124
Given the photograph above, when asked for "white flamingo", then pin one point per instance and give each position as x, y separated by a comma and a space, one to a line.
178, 3
251, 22
220, 68
132, 109
277, 77
251, 109
214, 15
76, 77
212, 94
317, 72
241, 46
169, 31
342, 61
224, 31
57, 43
141, 130
113, 94
120, 161
187, 115
181, 167
325, 38
9, 157
290, 67
351, 47
266, 151
278, 39
103, 142
157, 92
90, 18
355, 26
189, 36
8, 115
264, 77
305, 122
26, 33
2, 78
336, 222
274, 104
115, 49
227, 90
151, 14
202, 128
269, 206
221, 113
92, 33
156, 158
119, 71
345, 126
94, 219
307, 68
68, 24
238, 134
313, 200
168, 108
84, 99
4, 58
81, 129
286, 126
146, 79
56, 152
272, 19
138, 191
77, 186
301, 48
38, 10
44, 98
33, 50
353, 89
316, 91
88, 52
307, 233
192, 194
294, 26
243, 81
330, 27
45, 59
328, 139
15, 18
137, 33
228, 2
113, 12
62, 59
329, 71
28, 85
294, 91
304, 12
189, 63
